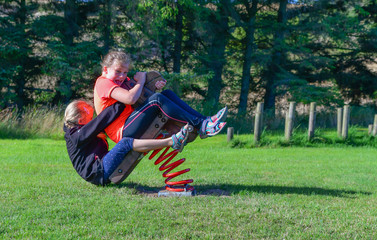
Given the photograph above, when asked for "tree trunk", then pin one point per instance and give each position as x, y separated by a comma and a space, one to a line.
217, 57
269, 97
70, 16
216, 65
20, 78
164, 54
246, 76
107, 37
178, 40
277, 58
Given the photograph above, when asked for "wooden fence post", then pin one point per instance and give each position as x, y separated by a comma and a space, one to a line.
374, 131
258, 122
346, 118
289, 119
370, 127
230, 133
312, 120
339, 121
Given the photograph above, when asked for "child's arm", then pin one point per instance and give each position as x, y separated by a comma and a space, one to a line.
99, 123
130, 97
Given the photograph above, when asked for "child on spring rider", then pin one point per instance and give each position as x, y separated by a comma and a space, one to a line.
109, 89
88, 148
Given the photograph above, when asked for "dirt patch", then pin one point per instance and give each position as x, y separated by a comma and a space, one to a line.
147, 192
214, 192
208, 192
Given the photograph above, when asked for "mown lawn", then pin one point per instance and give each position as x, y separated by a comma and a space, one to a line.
269, 193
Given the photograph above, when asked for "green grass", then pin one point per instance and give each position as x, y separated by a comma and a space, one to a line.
248, 193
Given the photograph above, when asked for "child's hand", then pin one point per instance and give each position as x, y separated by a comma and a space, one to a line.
140, 77
160, 85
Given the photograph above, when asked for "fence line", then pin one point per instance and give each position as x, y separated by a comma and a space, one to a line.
342, 121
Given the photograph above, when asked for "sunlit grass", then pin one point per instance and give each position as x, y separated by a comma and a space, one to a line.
247, 193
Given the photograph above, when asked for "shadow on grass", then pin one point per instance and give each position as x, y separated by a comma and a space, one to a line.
270, 189
232, 189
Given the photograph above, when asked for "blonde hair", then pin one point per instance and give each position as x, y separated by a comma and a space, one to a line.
74, 112
115, 56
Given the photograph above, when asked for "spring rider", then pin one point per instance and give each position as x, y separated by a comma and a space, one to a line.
161, 127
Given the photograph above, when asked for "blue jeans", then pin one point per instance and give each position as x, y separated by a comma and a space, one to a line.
115, 157
166, 102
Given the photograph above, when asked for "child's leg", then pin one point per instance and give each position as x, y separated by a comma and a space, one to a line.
177, 141
174, 98
143, 116
117, 154
115, 157
139, 121
219, 116
145, 145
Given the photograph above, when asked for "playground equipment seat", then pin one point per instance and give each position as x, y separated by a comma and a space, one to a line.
161, 124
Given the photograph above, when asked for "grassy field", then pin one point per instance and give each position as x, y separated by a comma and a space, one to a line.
243, 193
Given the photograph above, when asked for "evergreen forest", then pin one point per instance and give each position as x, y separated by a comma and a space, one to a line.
215, 52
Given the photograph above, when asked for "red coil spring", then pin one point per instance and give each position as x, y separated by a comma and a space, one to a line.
178, 186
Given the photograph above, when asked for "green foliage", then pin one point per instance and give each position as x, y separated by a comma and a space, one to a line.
351, 64
321, 51
49, 27
19, 66
45, 97
305, 93
185, 83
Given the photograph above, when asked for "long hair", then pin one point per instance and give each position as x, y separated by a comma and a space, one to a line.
74, 112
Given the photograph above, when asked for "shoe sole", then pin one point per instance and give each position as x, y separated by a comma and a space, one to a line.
223, 116
189, 129
213, 134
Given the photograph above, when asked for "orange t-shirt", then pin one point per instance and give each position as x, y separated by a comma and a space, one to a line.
102, 99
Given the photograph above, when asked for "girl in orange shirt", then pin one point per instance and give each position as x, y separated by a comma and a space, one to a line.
133, 122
